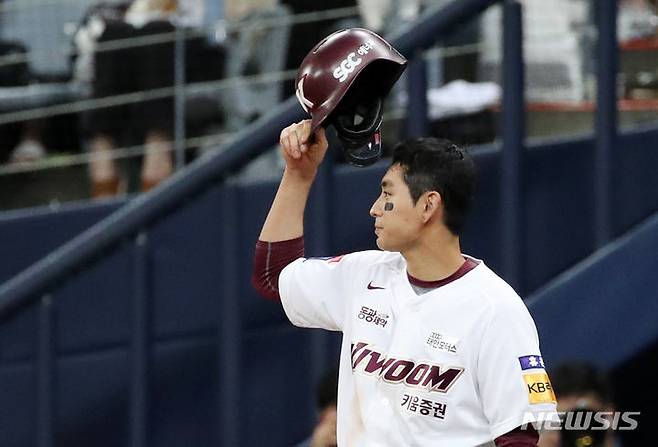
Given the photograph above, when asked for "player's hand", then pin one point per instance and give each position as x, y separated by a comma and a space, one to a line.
303, 152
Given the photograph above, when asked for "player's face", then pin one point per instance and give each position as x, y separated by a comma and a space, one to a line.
397, 219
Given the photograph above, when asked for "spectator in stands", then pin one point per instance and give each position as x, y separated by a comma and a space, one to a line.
27, 145
127, 69
123, 67
235, 10
636, 20
580, 386
324, 433
30, 146
388, 16
257, 42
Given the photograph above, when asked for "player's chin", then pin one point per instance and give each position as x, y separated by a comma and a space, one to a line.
380, 243
383, 244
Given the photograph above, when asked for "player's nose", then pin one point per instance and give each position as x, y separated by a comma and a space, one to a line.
375, 209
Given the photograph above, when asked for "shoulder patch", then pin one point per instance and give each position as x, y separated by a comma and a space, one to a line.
531, 362
540, 390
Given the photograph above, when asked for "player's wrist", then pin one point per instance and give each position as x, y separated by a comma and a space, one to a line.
302, 176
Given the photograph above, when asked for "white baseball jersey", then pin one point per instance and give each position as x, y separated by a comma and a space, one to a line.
457, 366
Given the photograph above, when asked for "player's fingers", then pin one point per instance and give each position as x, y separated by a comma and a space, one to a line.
294, 144
304, 134
321, 137
282, 136
286, 146
301, 140
283, 140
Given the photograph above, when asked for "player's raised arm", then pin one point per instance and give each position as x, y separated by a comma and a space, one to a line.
302, 155
280, 240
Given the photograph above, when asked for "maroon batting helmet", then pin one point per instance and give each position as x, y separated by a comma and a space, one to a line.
343, 81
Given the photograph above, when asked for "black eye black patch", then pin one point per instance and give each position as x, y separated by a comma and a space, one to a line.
388, 206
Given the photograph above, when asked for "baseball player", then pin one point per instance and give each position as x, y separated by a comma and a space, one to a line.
437, 349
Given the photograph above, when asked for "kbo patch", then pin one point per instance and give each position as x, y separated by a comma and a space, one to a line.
540, 390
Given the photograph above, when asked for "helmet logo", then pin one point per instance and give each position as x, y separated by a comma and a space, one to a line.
306, 104
366, 47
346, 67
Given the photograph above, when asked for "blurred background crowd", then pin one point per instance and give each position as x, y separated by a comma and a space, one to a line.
103, 99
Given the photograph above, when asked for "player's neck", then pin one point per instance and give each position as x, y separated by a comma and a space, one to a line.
434, 258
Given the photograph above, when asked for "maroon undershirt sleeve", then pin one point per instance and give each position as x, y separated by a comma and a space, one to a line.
269, 260
519, 438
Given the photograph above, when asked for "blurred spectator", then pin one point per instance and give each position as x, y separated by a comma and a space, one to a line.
236, 10
580, 386
257, 44
15, 72
389, 16
30, 147
125, 70
123, 67
324, 433
637, 19
385, 16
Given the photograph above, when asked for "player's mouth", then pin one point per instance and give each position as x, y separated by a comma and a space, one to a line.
377, 229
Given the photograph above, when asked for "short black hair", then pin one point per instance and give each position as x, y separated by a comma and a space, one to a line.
435, 164
578, 378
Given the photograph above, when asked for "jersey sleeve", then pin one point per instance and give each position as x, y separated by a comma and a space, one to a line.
512, 379
315, 292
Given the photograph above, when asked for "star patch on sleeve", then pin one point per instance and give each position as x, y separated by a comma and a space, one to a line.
531, 362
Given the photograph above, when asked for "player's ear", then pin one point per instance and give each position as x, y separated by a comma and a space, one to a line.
431, 203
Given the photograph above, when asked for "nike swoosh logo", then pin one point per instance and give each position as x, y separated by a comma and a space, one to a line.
371, 287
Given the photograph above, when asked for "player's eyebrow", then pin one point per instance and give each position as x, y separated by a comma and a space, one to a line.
386, 184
